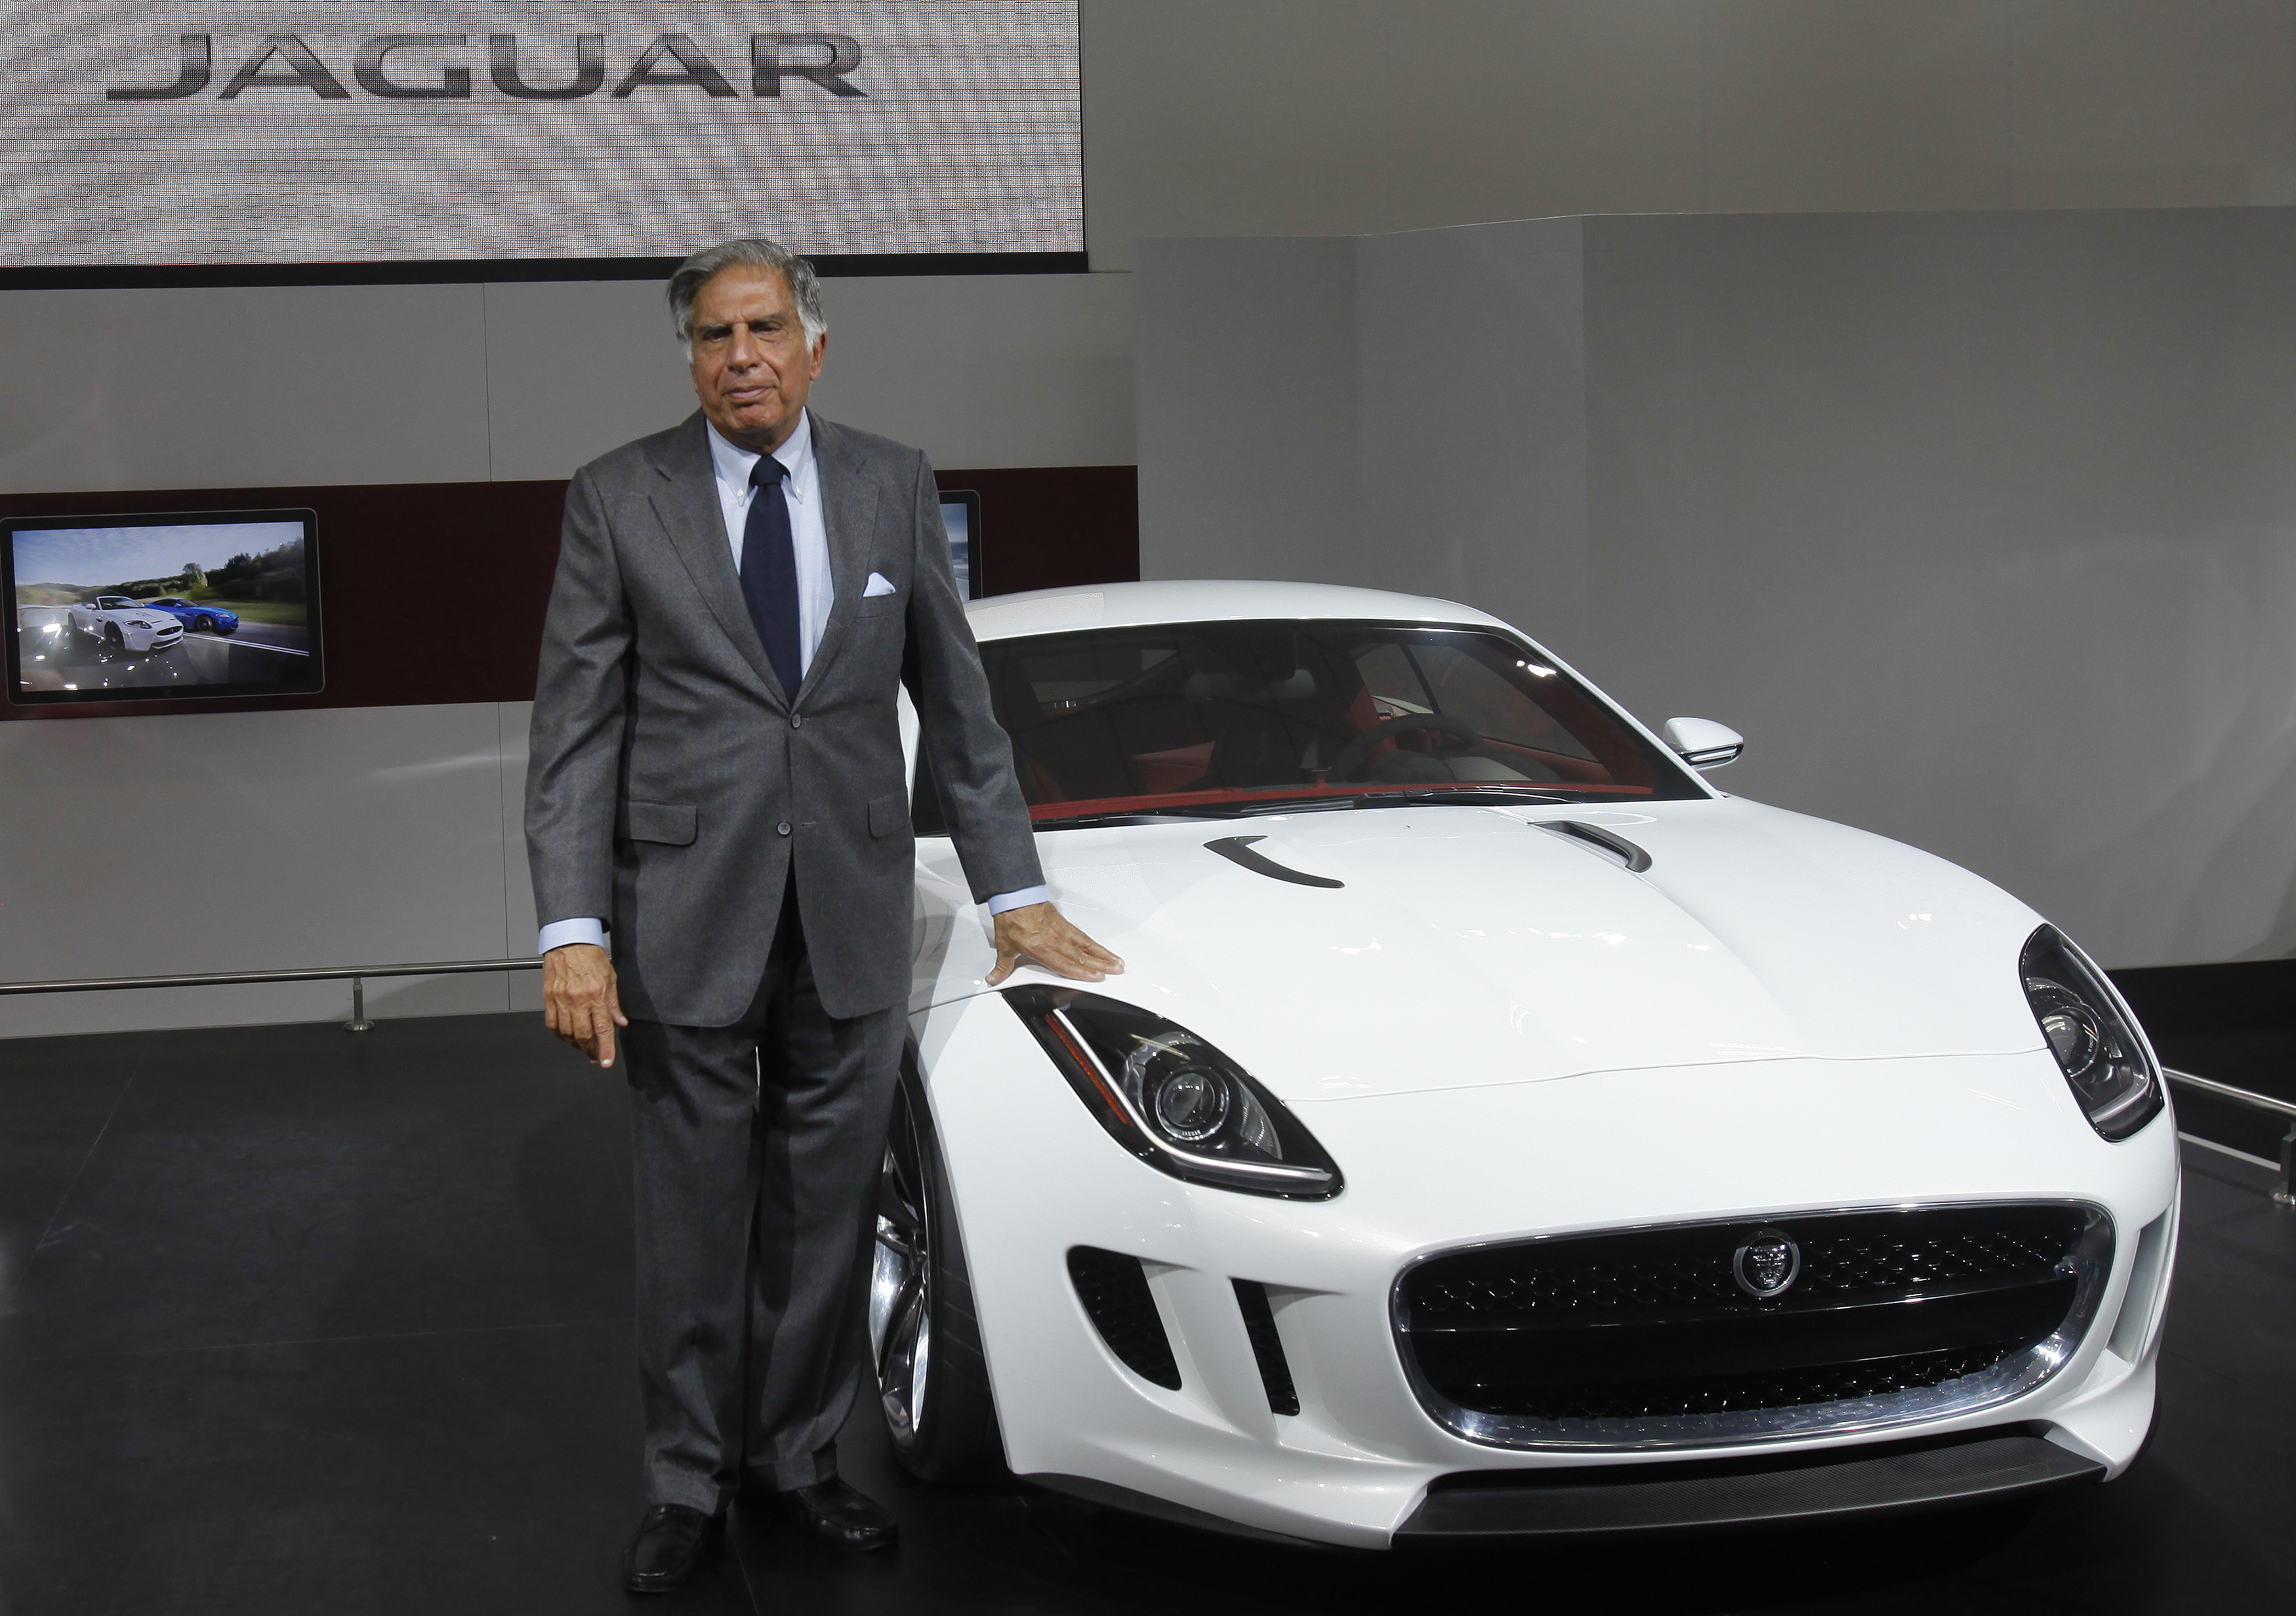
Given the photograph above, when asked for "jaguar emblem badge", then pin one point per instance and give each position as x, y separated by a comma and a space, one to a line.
1766, 1265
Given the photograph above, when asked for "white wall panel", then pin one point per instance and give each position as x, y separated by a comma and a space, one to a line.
251, 841
1247, 415
255, 386
1470, 421
1290, 118
979, 371
575, 368
233, 387
1399, 411
985, 370
1982, 527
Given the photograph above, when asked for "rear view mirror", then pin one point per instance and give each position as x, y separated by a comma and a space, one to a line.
1703, 743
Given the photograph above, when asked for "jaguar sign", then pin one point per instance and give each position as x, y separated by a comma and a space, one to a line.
206, 133
285, 61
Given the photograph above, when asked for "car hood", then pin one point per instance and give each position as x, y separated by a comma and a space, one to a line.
1477, 946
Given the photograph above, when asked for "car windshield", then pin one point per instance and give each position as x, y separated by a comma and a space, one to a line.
1222, 718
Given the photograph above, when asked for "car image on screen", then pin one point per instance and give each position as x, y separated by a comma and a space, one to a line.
150, 606
125, 624
196, 618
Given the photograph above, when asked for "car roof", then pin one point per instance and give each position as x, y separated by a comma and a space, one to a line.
1052, 611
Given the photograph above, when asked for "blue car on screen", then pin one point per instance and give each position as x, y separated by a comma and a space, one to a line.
196, 619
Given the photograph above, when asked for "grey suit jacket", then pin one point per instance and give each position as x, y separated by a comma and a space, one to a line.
673, 787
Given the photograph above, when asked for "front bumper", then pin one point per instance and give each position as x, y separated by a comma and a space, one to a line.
1363, 1461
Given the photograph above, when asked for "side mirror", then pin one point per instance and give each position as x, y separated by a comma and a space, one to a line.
1703, 743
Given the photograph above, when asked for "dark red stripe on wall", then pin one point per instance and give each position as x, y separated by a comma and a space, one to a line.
1055, 526
434, 592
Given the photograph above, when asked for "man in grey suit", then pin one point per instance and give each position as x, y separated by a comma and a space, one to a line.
716, 780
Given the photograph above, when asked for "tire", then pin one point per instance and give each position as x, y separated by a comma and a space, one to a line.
114, 642
932, 1379
203, 625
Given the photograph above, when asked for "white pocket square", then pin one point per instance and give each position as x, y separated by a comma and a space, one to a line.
876, 586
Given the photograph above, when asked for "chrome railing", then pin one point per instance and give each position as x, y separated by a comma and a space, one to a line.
2284, 1192
356, 975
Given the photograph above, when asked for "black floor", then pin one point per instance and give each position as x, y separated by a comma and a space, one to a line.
296, 1322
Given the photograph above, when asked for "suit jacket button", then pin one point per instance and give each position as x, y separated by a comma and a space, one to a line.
796, 720
783, 827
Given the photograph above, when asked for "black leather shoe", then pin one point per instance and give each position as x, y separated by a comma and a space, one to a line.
834, 1513
672, 1542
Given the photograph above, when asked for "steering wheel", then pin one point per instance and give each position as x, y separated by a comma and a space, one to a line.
1357, 752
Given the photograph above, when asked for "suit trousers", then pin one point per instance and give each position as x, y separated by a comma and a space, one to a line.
756, 1150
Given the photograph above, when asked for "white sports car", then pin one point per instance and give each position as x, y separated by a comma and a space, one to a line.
126, 624
1495, 1129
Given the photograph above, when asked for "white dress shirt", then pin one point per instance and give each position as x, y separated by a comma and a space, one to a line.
816, 593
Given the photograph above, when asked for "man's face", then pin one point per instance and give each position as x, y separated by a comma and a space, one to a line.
751, 367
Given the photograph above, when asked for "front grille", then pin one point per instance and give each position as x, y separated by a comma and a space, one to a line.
1651, 1336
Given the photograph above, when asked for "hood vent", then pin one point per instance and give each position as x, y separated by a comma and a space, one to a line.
1237, 850
1609, 841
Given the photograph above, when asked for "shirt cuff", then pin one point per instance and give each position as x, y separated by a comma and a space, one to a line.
559, 934
1027, 896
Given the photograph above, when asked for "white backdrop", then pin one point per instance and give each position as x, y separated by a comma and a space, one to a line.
1981, 526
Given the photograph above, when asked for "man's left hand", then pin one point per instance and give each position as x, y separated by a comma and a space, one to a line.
1042, 934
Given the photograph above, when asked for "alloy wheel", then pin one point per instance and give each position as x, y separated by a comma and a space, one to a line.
900, 1290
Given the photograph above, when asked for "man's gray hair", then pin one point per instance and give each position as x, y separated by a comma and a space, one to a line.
756, 253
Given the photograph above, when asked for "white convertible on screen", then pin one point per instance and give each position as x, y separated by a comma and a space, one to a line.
1496, 1131
124, 624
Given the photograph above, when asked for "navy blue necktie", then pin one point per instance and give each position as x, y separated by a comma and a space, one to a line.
769, 571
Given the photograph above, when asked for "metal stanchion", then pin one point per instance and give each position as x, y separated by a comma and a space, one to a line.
2284, 1193
359, 1023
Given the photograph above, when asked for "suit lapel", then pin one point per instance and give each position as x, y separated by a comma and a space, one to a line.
848, 511
685, 503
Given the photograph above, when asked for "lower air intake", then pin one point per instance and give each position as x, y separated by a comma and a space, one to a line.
1114, 1290
1266, 1346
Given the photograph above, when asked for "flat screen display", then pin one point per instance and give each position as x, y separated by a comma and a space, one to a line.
960, 513
160, 607
212, 132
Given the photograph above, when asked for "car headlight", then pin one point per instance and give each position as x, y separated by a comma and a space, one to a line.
1172, 1100
2111, 1072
